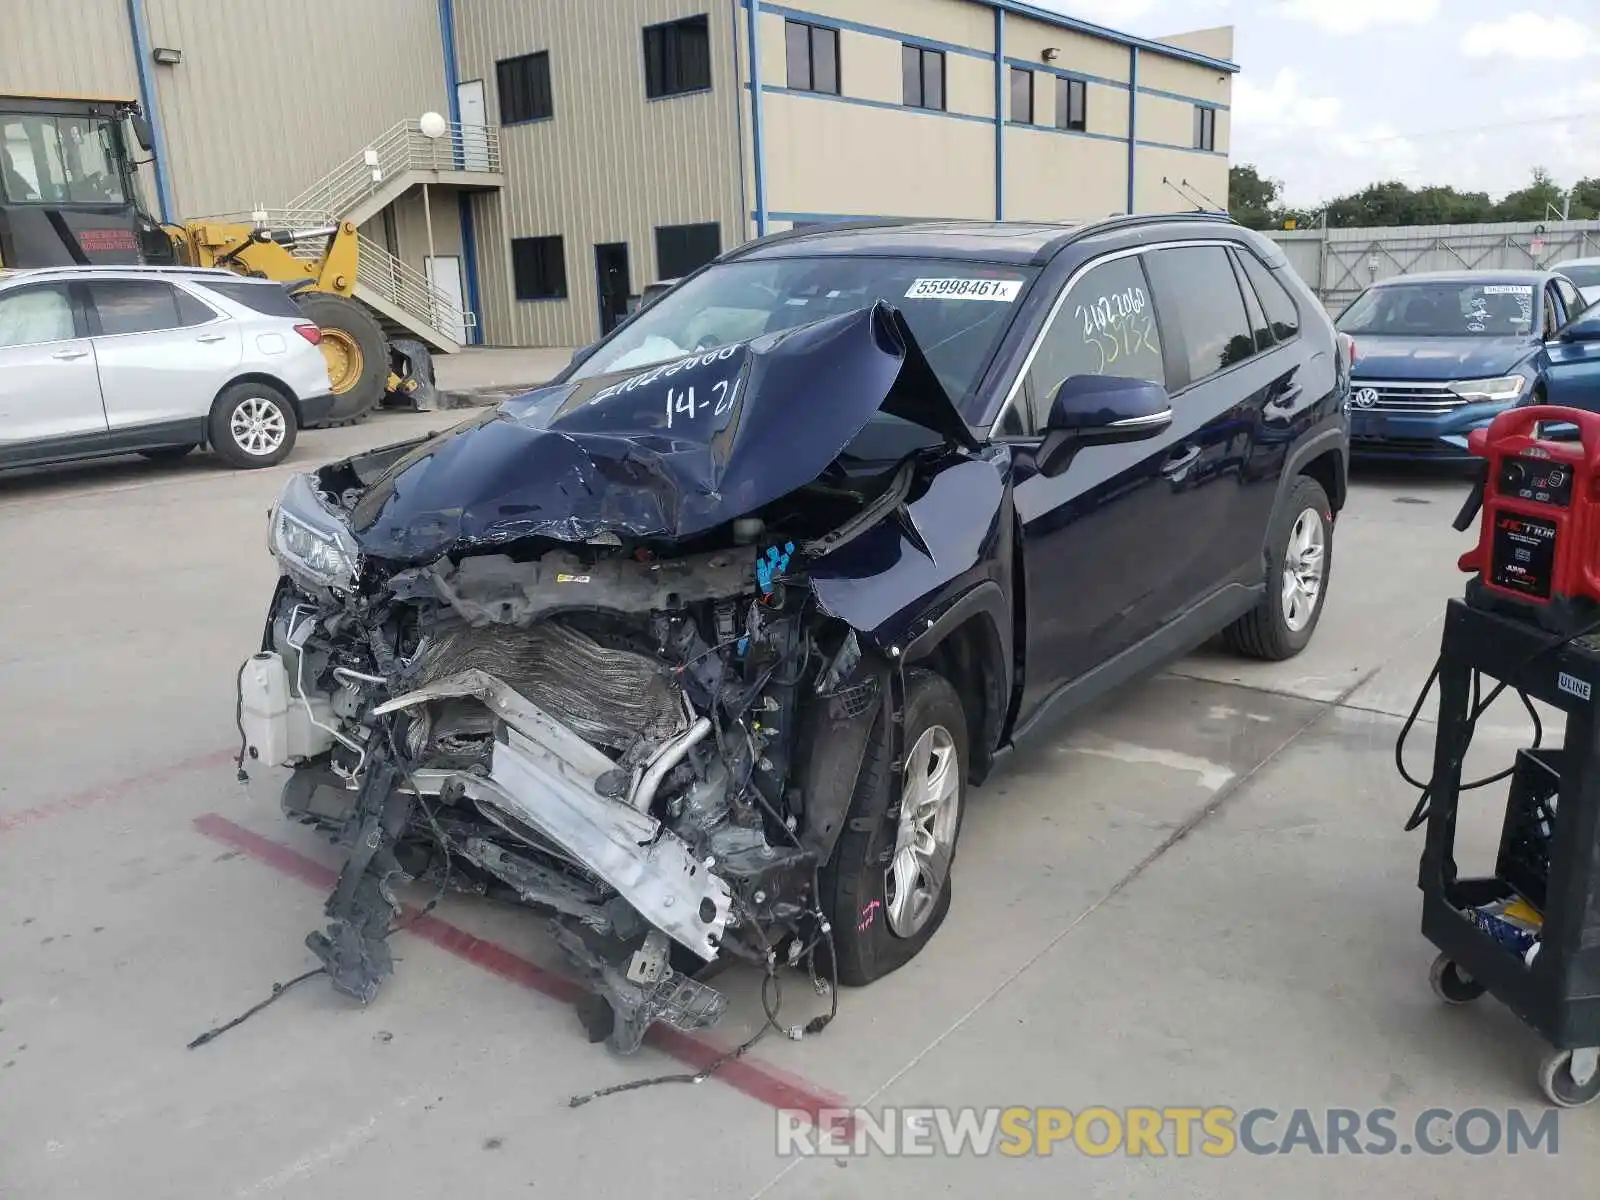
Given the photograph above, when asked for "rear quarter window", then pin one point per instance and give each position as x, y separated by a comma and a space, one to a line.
267, 298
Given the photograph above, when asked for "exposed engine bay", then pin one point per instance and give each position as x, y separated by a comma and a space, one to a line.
604, 721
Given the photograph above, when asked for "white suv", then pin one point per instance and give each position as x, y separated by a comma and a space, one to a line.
97, 361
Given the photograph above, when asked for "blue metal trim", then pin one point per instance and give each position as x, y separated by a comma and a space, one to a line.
1055, 19
1186, 149
149, 100
1186, 99
469, 235
1133, 120
1083, 133
752, 28
773, 90
910, 39
1024, 65
1000, 77
742, 233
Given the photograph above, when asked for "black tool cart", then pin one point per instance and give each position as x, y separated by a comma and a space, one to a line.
1545, 969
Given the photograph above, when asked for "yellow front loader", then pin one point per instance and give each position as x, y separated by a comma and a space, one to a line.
364, 365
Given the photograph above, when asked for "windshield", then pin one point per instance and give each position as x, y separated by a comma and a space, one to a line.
957, 310
1584, 277
1443, 310
59, 160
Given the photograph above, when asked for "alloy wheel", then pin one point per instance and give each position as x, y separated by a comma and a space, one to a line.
258, 426
1303, 562
930, 810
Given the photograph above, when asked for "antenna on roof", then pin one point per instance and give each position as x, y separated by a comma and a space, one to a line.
1214, 206
1181, 192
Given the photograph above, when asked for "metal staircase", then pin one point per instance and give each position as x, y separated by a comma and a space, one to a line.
404, 300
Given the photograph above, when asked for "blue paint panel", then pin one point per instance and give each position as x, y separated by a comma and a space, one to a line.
1133, 120
469, 236
469, 254
753, 23
149, 101
1078, 133
772, 90
1186, 99
999, 114
1185, 149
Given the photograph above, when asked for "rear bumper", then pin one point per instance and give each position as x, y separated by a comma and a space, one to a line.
315, 409
1436, 436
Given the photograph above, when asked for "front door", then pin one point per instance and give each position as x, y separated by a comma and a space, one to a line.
444, 273
49, 388
1095, 536
612, 282
474, 126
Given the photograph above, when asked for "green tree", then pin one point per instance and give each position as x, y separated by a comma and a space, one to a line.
1586, 199
1252, 198
1532, 203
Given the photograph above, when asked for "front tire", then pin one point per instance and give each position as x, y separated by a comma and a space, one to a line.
1299, 562
886, 889
252, 425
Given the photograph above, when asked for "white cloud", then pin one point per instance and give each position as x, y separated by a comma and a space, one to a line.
1529, 35
1281, 104
1358, 16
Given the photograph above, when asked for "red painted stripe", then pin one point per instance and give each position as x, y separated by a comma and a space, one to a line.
89, 797
758, 1080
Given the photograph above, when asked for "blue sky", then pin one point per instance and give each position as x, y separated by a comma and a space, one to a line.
1336, 94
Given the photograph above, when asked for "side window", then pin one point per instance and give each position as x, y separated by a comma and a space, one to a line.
29, 316
1198, 296
1552, 309
194, 311
1282, 314
134, 305
1571, 297
1252, 307
1106, 326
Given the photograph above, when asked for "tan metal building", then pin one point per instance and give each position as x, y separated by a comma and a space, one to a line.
594, 146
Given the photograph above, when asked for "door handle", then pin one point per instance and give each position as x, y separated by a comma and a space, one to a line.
1289, 395
67, 354
211, 337
1180, 461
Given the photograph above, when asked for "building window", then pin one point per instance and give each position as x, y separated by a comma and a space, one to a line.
922, 77
539, 268
524, 86
1072, 104
1205, 128
1021, 96
681, 249
813, 56
677, 57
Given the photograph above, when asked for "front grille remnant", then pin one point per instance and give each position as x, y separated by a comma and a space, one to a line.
609, 697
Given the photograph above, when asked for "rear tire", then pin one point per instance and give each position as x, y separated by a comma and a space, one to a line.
356, 350
166, 453
252, 425
1299, 563
880, 924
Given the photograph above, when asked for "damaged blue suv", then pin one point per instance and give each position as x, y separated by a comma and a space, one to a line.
698, 649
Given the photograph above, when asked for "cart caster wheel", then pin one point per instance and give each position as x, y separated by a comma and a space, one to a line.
1557, 1082
1451, 984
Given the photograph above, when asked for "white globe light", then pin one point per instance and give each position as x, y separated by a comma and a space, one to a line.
432, 125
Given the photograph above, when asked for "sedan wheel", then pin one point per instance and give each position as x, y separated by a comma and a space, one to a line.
930, 814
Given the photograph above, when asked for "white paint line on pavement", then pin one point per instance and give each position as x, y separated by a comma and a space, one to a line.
1211, 775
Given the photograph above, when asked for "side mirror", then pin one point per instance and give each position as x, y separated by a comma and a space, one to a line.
1585, 329
1100, 410
142, 131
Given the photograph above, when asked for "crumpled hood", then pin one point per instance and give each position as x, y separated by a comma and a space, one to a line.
1438, 358
669, 451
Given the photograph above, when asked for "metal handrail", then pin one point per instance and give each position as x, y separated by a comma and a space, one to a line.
408, 289
400, 148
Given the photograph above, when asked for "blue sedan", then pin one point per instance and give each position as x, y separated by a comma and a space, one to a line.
1440, 354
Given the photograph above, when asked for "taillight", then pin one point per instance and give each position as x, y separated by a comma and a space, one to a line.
1350, 348
311, 334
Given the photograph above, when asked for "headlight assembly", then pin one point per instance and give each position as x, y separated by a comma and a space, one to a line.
311, 540
1503, 388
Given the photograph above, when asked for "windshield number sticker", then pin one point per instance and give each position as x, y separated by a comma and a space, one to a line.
1004, 291
1508, 289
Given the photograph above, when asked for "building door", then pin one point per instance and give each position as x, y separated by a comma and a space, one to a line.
474, 135
612, 283
444, 273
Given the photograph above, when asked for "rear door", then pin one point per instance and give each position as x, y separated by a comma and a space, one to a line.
163, 353
1222, 385
49, 390
1091, 535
